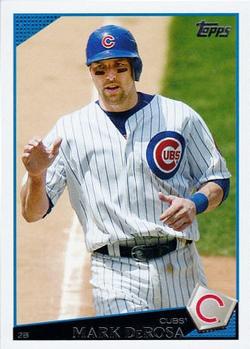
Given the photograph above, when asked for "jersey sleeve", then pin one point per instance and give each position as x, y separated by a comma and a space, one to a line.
56, 175
205, 160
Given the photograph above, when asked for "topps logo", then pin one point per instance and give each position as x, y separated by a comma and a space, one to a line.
208, 29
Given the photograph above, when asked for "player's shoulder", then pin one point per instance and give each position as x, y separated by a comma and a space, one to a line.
177, 108
175, 103
75, 114
67, 124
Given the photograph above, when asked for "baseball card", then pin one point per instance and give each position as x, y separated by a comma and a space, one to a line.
124, 183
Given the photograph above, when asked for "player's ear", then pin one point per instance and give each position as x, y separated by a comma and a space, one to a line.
90, 70
91, 73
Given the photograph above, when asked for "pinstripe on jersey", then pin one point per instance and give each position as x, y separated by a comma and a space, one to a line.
111, 186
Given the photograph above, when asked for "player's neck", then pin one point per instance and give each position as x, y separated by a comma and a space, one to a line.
126, 104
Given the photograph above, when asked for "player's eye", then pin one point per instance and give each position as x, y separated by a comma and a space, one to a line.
99, 72
98, 69
122, 69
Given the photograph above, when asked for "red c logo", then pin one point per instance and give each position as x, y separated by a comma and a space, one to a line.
167, 154
203, 299
108, 41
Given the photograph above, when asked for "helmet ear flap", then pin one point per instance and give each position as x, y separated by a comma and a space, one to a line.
137, 68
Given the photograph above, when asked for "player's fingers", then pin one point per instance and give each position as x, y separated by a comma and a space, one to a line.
172, 209
175, 217
25, 157
33, 145
35, 141
169, 213
183, 226
55, 146
28, 148
57, 142
178, 223
166, 198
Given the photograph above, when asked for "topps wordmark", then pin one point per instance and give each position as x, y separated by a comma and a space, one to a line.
210, 29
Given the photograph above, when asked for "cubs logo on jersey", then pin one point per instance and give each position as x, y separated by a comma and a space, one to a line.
164, 153
108, 41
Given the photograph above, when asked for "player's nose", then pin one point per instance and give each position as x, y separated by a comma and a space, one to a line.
111, 74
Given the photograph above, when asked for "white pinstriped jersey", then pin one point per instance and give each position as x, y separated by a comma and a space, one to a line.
111, 186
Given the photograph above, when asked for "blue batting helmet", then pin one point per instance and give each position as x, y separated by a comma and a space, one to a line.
112, 41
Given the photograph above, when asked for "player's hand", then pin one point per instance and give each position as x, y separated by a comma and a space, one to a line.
37, 158
180, 214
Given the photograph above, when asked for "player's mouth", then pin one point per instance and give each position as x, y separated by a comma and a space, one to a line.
111, 88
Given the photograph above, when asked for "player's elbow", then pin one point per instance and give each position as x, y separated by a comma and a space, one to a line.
30, 218
33, 209
224, 184
32, 215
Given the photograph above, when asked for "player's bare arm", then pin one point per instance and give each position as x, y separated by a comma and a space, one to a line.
36, 159
181, 212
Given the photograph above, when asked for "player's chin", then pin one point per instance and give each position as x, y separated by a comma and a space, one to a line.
114, 100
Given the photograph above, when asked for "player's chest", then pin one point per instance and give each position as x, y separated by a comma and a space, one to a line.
147, 147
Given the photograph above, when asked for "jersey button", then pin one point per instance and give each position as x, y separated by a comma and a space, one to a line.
169, 268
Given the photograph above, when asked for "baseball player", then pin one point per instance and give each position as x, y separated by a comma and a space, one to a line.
139, 168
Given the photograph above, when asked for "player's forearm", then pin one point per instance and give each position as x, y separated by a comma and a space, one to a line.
34, 198
214, 193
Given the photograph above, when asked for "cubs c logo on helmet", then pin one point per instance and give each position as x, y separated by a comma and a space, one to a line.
108, 41
164, 153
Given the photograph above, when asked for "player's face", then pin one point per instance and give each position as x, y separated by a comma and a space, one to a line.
115, 84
